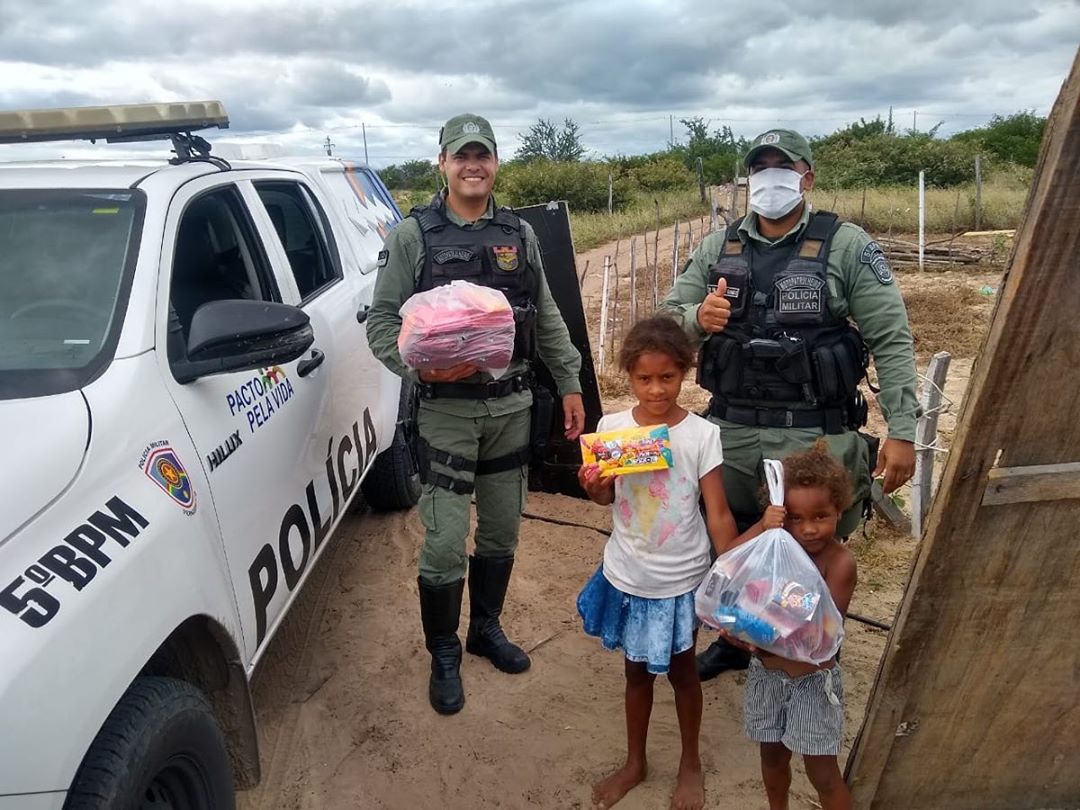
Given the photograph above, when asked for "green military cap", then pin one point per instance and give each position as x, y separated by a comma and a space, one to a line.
788, 141
464, 129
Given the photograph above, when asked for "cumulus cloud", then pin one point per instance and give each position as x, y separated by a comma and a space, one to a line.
306, 69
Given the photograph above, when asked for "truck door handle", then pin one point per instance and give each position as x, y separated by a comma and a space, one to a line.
362, 313
305, 367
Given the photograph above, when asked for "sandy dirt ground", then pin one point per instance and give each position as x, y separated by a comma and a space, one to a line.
341, 691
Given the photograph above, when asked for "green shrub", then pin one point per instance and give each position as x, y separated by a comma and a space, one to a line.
1013, 138
584, 186
886, 160
662, 174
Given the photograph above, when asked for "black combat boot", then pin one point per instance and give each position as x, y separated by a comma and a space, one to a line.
488, 578
719, 657
440, 610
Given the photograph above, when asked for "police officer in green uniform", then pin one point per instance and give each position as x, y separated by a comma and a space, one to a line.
473, 431
786, 303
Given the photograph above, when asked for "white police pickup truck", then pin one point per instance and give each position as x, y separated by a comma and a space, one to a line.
188, 406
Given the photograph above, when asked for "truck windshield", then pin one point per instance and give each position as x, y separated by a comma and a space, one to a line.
66, 257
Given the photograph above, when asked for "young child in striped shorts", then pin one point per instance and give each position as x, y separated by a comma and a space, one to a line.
791, 706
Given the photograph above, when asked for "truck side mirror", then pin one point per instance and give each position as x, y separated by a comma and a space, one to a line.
240, 335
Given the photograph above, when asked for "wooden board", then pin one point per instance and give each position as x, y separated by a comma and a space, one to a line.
977, 702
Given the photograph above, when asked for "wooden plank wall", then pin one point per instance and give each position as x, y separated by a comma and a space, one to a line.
977, 702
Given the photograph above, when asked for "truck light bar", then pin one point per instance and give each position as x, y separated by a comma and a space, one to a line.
125, 122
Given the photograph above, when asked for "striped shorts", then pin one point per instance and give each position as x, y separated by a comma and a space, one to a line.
806, 714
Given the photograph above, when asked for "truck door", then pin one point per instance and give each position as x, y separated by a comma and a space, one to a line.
329, 281
262, 434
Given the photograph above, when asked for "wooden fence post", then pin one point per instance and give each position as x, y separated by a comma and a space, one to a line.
701, 179
922, 493
675, 250
603, 312
735, 192
978, 192
633, 281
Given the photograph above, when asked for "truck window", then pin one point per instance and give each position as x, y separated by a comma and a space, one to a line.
217, 256
66, 261
305, 234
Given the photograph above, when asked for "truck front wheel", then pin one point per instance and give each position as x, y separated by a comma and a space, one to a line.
161, 747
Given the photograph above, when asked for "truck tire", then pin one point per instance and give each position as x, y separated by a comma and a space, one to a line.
392, 482
161, 747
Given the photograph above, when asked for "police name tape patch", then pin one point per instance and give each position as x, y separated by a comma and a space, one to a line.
874, 256
800, 293
453, 255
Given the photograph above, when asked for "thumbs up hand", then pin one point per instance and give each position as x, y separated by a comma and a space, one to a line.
715, 310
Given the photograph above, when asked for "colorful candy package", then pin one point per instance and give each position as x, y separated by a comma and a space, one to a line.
628, 450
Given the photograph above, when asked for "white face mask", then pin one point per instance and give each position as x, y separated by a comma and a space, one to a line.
775, 192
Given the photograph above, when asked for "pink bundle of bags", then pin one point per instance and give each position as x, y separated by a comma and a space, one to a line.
457, 323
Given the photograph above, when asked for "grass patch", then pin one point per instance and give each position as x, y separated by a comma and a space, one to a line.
592, 229
948, 210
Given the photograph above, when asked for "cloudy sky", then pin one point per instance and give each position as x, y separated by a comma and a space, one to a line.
296, 72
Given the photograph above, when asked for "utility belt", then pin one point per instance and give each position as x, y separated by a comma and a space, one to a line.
494, 389
837, 419
424, 454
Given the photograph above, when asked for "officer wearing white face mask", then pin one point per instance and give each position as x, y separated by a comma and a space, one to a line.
789, 304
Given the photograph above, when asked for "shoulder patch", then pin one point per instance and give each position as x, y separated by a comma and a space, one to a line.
384, 257
874, 256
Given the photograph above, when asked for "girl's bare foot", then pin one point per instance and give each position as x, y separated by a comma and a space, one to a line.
689, 787
617, 784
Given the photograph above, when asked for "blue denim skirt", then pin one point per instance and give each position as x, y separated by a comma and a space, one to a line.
648, 631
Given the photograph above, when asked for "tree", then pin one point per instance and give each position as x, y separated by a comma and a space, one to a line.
1013, 138
860, 130
719, 151
545, 141
412, 174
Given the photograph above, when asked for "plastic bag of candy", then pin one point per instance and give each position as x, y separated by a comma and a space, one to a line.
459, 322
628, 450
768, 593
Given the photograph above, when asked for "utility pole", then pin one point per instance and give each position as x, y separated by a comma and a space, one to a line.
329, 147
914, 120
363, 128
671, 130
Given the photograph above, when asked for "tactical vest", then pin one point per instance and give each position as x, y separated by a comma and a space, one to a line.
493, 256
783, 360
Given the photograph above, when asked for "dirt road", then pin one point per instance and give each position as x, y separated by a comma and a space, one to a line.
342, 706
341, 692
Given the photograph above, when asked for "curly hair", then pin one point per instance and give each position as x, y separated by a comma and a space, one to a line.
817, 467
661, 334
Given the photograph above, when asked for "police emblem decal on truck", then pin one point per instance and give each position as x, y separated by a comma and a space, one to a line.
77, 561
308, 525
160, 463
